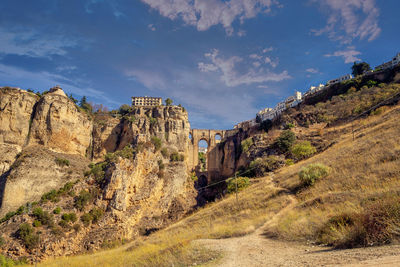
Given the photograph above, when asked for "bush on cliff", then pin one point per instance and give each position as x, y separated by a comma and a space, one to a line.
175, 156
260, 166
28, 236
302, 150
242, 182
313, 172
44, 217
285, 140
82, 200
156, 142
246, 144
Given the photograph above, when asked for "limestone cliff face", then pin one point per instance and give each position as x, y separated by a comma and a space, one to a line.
15, 115
169, 123
138, 194
59, 125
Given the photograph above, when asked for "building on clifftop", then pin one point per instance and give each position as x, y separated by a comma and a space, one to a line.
146, 101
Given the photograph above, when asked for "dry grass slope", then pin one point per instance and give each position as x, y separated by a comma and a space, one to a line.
363, 170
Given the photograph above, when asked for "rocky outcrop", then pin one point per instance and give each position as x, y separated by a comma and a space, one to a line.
36, 172
59, 125
169, 123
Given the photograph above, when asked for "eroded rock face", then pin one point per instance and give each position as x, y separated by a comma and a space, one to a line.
16, 107
60, 126
35, 173
169, 123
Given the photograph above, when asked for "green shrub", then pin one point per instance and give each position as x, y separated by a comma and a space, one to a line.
260, 166
2, 242
164, 152
124, 109
37, 223
96, 214
43, 216
289, 125
246, 144
193, 177
242, 182
69, 217
62, 162
371, 83
57, 210
63, 224
86, 219
50, 196
28, 236
313, 172
57, 231
153, 121
302, 150
82, 200
175, 156
156, 142
289, 162
126, 153
285, 140
98, 170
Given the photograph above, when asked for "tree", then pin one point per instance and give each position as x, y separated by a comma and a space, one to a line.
168, 101
85, 105
360, 68
286, 140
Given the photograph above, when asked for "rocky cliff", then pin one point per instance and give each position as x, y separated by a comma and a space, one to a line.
138, 181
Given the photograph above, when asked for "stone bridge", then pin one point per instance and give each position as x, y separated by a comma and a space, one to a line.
213, 138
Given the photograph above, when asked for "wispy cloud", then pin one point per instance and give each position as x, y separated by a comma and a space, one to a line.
349, 55
232, 77
350, 19
204, 14
312, 70
32, 43
151, 27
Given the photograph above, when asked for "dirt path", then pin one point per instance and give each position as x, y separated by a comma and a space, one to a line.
257, 250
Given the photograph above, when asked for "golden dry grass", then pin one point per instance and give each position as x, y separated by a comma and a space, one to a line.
361, 169
225, 218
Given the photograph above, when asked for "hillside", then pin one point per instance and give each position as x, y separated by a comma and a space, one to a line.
354, 205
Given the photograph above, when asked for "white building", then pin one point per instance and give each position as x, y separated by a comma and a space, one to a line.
146, 101
293, 100
340, 79
314, 89
390, 64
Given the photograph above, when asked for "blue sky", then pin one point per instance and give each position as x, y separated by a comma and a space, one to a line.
222, 59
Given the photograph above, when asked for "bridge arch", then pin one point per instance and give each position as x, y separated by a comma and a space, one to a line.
213, 138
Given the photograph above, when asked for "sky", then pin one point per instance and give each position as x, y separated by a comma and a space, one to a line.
223, 60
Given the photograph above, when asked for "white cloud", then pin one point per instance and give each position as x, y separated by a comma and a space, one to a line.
151, 27
255, 56
204, 14
267, 49
349, 55
256, 64
312, 70
273, 63
33, 44
350, 19
232, 77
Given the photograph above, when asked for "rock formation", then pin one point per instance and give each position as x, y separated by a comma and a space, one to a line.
46, 145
